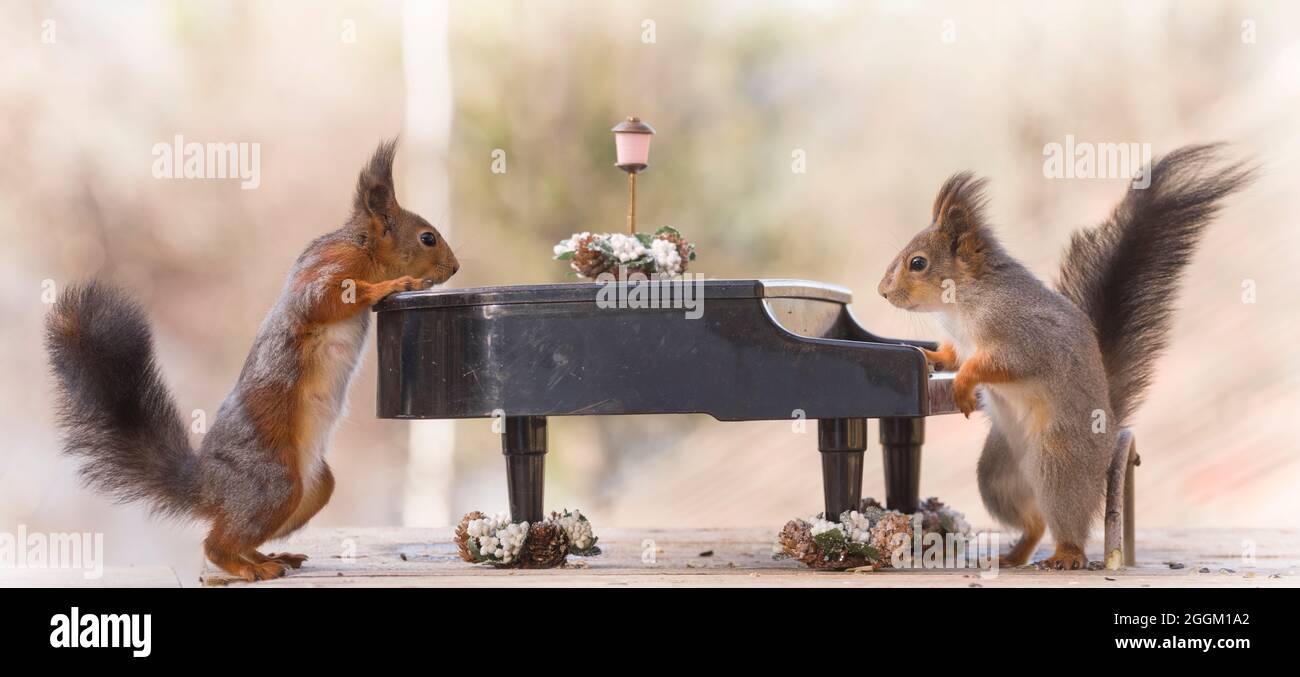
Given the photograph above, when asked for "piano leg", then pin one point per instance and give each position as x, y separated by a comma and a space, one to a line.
524, 446
900, 441
841, 442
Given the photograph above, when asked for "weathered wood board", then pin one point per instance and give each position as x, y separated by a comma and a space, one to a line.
411, 557
112, 577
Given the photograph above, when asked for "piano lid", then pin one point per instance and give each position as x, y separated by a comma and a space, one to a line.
586, 291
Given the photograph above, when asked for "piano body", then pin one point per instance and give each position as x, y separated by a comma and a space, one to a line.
754, 350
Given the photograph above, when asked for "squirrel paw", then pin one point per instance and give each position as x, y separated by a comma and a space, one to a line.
965, 399
943, 359
1066, 558
264, 571
291, 560
408, 283
1011, 560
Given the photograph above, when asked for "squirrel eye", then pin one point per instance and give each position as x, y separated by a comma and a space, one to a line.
917, 264
428, 239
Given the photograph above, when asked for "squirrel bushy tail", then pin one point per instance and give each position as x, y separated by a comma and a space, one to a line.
1124, 273
113, 407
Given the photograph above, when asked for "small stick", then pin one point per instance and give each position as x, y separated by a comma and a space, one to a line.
631, 203
1114, 539
1130, 508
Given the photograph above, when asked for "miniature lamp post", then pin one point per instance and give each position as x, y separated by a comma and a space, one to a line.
663, 252
632, 143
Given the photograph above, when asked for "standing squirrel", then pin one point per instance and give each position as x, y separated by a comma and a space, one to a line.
260, 472
1061, 371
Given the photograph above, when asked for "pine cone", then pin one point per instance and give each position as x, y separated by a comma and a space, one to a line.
462, 535
882, 535
589, 262
546, 546
797, 542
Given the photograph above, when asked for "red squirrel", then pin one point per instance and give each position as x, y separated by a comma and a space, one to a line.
1060, 371
260, 472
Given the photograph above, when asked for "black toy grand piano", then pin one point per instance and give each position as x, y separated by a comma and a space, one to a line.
757, 350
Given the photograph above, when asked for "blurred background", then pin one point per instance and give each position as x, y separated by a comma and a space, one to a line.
795, 140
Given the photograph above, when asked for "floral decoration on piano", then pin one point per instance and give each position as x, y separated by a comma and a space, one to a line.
665, 252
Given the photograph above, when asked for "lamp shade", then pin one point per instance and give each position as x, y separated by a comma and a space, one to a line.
632, 144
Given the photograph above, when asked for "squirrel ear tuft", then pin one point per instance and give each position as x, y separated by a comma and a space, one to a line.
960, 203
959, 208
959, 215
376, 196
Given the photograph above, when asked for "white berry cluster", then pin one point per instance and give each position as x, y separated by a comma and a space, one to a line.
856, 526
497, 538
570, 245
821, 526
625, 247
577, 527
853, 526
667, 259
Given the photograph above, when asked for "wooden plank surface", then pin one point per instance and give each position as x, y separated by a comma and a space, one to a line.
113, 577
410, 557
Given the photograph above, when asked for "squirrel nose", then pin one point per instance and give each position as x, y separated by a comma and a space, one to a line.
455, 267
